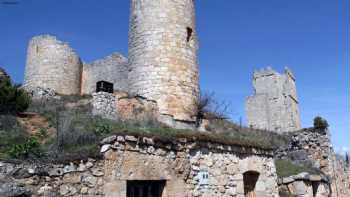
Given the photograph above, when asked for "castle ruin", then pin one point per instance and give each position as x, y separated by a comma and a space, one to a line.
274, 105
162, 65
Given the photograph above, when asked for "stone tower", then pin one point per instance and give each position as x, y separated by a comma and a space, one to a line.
163, 55
274, 106
52, 64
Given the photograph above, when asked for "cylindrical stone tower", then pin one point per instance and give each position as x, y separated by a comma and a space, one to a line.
52, 64
163, 55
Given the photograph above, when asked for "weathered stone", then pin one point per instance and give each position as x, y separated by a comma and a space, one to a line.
52, 64
56, 172
109, 140
274, 105
13, 190
105, 148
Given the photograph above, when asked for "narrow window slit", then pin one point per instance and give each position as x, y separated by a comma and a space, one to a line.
189, 34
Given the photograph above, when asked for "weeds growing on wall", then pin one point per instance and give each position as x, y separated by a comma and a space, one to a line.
286, 168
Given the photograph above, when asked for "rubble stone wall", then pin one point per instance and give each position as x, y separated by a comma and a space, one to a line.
163, 55
52, 64
315, 147
181, 164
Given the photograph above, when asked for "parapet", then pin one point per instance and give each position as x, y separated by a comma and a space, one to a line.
52, 64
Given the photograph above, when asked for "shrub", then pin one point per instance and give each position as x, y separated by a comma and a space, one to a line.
209, 107
30, 147
320, 123
102, 127
13, 99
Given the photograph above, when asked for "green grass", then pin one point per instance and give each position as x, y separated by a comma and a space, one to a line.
286, 168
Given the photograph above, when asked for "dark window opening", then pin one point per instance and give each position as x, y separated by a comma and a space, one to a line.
104, 86
189, 33
37, 49
145, 188
249, 180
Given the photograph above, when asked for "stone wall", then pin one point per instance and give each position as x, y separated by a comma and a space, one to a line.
182, 165
113, 69
306, 185
163, 55
274, 105
189, 169
312, 146
104, 105
52, 64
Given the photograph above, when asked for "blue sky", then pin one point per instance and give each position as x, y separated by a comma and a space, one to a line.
236, 37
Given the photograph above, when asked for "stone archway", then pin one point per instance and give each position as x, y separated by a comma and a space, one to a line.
250, 179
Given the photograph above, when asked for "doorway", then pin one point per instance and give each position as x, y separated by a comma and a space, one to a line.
250, 179
145, 188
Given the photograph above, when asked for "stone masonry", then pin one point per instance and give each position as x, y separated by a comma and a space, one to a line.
163, 55
52, 64
113, 69
274, 105
314, 147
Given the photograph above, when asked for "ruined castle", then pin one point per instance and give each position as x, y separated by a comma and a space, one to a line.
162, 63
162, 74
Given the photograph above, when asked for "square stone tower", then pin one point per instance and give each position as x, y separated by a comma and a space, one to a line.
274, 106
163, 55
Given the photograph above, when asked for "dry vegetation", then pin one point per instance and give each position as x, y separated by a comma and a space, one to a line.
65, 130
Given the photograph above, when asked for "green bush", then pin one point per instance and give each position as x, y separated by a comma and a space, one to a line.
102, 127
30, 147
320, 123
13, 99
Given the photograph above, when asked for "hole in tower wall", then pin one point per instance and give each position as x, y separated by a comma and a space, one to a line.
189, 33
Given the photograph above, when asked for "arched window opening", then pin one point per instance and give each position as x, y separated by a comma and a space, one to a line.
250, 179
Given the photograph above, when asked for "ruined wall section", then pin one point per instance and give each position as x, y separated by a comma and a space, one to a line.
274, 106
113, 69
52, 64
163, 55
312, 146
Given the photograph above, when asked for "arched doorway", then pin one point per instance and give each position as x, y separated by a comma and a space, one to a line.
250, 179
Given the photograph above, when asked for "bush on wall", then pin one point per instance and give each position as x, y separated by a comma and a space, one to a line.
320, 123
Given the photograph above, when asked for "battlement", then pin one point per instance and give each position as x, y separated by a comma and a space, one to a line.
274, 105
